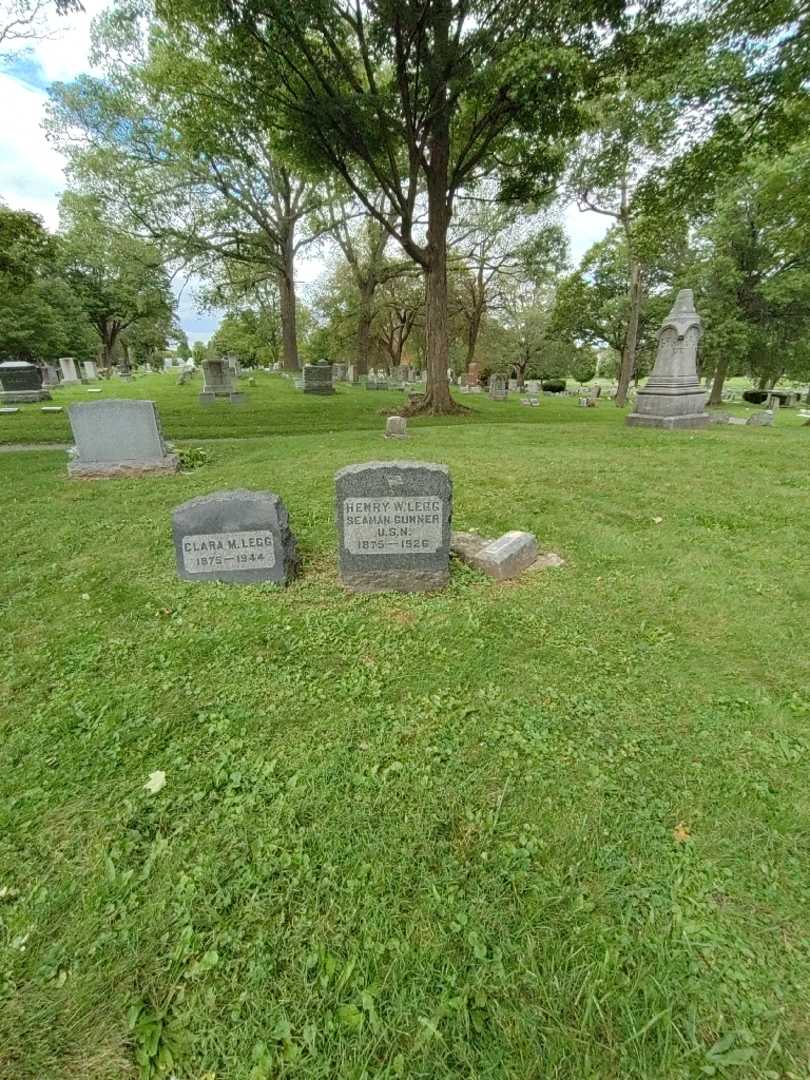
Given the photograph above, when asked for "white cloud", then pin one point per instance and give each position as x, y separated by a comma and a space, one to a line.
31, 171
584, 229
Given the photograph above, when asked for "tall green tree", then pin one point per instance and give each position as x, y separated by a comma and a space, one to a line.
119, 280
412, 97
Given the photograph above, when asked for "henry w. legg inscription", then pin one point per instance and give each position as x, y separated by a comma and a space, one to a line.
236, 536
393, 520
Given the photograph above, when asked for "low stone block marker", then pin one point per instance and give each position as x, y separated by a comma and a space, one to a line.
8, 409
396, 427
507, 557
393, 523
51, 408
118, 438
242, 537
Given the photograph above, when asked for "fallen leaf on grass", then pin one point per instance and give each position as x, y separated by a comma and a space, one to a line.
156, 781
657, 520
680, 834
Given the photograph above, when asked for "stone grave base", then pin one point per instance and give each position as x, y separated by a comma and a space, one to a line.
693, 420
23, 397
502, 558
98, 470
395, 580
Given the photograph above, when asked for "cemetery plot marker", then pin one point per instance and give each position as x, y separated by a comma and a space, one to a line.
118, 438
242, 537
393, 522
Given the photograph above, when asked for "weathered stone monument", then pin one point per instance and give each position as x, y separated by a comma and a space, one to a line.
339, 372
89, 370
396, 427
69, 373
393, 523
351, 373
118, 438
474, 374
673, 396
21, 383
50, 376
497, 387
218, 382
318, 379
763, 418
243, 537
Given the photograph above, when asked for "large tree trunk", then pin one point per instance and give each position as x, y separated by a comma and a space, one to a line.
365, 320
631, 338
720, 372
286, 292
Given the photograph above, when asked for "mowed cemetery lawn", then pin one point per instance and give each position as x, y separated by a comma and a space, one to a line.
274, 407
555, 828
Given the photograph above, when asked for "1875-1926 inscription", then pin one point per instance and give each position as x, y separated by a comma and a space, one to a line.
393, 520
392, 525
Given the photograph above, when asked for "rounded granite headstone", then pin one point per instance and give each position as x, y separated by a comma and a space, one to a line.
242, 537
393, 522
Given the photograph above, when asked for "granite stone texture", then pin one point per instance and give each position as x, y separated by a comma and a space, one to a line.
68, 367
673, 396
393, 523
242, 537
118, 438
318, 379
504, 558
396, 427
497, 388
21, 383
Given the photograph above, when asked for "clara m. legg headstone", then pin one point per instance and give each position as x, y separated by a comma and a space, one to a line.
118, 438
242, 537
393, 522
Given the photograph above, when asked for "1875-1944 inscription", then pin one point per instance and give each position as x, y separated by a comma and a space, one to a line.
236, 536
393, 521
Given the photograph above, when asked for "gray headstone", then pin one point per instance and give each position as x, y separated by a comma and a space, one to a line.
69, 372
761, 419
506, 557
318, 379
242, 537
393, 522
497, 387
396, 427
673, 396
118, 438
21, 383
218, 381
89, 369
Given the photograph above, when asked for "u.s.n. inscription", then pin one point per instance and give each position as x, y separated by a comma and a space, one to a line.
206, 552
401, 525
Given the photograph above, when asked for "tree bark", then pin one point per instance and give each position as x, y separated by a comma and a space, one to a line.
365, 319
631, 337
720, 372
289, 338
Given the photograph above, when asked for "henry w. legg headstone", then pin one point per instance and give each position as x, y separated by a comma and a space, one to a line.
393, 521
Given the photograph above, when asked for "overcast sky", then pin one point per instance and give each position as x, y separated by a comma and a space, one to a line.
31, 171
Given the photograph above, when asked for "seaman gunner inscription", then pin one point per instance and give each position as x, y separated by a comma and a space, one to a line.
391, 526
228, 551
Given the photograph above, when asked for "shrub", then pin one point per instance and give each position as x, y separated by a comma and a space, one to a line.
554, 386
755, 397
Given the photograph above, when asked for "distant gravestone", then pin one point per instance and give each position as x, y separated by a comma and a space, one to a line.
118, 438
69, 372
338, 372
218, 381
50, 375
89, 370
393, 522
533, 386
774, 402
243, 537
21, 383
513, 384
351, 373
168, 363
473, 373
497, 387
761, 419
318, 379
673, 397
396, 427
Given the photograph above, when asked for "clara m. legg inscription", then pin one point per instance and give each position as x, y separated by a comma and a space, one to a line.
392, 526
205, 552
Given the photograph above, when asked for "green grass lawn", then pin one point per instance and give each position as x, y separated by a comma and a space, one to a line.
275, 407
557, 828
